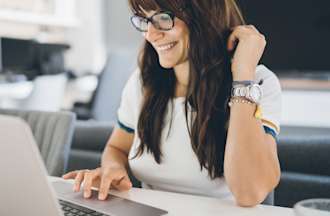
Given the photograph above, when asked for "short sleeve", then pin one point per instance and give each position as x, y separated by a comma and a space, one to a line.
129, 105
271, 102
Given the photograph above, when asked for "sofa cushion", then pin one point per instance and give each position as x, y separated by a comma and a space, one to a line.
294, 187
305, 150
91, 135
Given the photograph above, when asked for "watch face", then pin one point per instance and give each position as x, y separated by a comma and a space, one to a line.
255, 93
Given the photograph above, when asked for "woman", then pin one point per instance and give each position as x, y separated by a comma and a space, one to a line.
198, 116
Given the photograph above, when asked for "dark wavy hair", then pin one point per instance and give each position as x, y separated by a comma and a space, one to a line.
210, 79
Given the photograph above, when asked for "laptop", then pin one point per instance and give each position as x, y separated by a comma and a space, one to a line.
26, 190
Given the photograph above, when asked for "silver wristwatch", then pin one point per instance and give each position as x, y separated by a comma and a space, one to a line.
251, 92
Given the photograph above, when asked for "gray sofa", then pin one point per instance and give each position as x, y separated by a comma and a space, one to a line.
303, 154
89, 139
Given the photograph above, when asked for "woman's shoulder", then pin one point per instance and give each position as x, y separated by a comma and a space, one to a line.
133, 87
134, 78
130, 101
134, 81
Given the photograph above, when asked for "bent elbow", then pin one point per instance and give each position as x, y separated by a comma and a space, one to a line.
250, 199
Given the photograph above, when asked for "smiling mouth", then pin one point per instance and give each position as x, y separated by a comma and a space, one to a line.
166, 47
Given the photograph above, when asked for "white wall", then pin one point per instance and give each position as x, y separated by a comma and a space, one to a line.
120, 33
104, 27
88, 51
306, 108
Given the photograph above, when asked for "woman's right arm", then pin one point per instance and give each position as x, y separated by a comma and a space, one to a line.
113, 170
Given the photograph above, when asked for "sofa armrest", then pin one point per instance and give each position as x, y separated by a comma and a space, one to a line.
305, 150
91, 135
295, 187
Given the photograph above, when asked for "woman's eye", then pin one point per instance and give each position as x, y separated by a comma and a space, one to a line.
164, 17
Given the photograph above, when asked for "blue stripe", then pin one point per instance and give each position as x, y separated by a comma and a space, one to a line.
125, 128
270, 131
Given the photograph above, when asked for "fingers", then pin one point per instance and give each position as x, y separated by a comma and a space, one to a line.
241, 32
77, 182
116, 178
70, 175
252, 27
89, 177
119, 182
232, 41
78, 177
104, 186
235, 36
123, 184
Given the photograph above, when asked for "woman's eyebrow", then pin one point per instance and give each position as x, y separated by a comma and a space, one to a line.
145, 13
149, 14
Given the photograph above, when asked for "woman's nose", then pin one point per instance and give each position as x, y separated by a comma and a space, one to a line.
152, 33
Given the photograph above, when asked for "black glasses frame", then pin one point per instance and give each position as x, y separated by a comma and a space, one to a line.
150, 19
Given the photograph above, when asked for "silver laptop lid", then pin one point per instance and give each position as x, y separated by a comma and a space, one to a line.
24, 188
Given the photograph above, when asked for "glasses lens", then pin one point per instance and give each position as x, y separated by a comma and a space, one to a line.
140, 23
162, 21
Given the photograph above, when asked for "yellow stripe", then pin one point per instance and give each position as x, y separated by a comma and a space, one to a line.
271, 124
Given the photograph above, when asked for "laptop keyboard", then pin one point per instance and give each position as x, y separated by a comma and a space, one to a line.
71, 209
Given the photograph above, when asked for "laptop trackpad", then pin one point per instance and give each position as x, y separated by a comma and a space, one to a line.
113, 205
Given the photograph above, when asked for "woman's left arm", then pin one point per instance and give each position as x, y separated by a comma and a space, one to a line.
251, 164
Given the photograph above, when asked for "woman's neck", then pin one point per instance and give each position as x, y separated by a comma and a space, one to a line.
182, 79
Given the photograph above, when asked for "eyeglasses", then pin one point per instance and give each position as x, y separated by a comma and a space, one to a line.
163, 21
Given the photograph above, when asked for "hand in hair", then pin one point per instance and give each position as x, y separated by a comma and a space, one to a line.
250, 45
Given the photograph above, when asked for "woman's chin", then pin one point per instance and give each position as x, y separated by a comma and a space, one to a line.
166, 64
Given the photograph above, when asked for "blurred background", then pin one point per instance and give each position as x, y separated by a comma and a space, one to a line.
76, 56
54, 52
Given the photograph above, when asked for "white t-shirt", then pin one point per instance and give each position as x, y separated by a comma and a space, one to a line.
180, 168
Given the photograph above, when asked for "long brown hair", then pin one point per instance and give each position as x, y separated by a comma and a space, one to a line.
210, 79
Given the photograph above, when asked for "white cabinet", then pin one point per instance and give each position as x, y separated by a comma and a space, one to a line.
37, 19
33, 6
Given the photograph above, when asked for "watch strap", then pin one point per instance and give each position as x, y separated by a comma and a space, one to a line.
243, 83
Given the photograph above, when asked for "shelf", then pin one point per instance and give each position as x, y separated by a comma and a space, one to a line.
38, 19
305, 85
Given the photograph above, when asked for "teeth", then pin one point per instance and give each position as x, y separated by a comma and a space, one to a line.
166, 47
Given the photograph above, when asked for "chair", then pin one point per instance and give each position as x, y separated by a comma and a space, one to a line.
106, 98
53, 134
304, 156
269, 199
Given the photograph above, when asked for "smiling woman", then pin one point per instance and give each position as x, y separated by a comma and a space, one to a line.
198, 116
195, 65
172, 50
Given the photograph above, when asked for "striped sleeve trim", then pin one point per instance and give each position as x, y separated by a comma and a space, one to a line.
125, 128
271, 125
270, 131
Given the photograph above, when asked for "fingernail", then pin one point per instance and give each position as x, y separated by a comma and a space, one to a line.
101, 196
